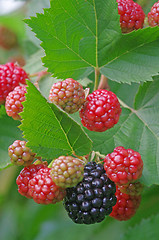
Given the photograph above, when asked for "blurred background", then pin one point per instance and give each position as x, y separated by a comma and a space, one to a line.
22, 219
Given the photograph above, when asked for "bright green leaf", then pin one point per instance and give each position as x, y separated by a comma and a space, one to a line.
80, 35
49, 130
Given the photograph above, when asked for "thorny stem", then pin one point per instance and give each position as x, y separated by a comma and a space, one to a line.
97, 72
103, 84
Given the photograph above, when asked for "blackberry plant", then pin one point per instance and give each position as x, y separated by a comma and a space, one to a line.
90, 110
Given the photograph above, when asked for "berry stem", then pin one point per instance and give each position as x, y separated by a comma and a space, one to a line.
39, 74
100, 155
103, 84
97, 72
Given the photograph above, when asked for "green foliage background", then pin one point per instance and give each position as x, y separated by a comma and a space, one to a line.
22, 219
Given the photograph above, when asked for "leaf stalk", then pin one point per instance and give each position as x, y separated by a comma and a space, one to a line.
97, 72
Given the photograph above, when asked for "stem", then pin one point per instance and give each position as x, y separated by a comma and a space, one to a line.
103, 84
39, 75
97, 72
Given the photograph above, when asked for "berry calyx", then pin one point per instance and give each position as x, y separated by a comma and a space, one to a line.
131, 15
20, 154
13, 104
68, 94
93, 198
67, 171
153, 15
126, 205
11, 76
132, 188
26, 174
123, 166
101, 111
43, 190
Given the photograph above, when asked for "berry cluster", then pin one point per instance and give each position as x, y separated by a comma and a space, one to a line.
99, 112
88, 193
36, 180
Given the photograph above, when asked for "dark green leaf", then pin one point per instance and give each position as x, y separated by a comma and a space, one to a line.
49, 130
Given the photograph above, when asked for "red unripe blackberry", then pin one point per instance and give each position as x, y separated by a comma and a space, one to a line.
123, 166
132, 188
8, 39
153, 15
43, 190
131, 15
14, 101
68, 94
20, 154
101, 111
67, 171
25, 175
10, 77
126, 205
93, 198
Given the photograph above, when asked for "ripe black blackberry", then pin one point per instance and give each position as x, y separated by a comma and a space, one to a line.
93, 198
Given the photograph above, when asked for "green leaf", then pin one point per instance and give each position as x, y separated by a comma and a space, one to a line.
9, 132
49, 130
147, 229
80, 35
